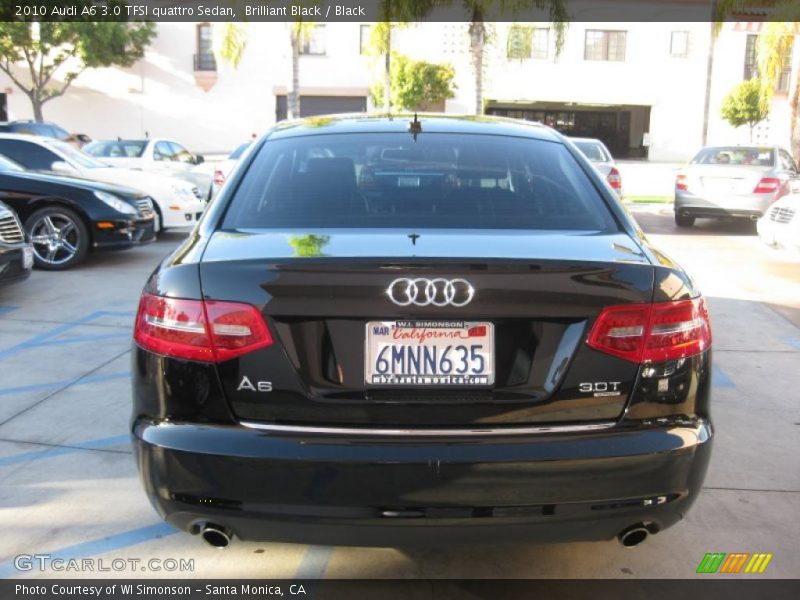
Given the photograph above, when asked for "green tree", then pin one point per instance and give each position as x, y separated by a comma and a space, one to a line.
416, 84
43, 59
742, 106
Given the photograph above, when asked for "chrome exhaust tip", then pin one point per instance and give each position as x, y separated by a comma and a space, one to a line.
216, 535
633, 535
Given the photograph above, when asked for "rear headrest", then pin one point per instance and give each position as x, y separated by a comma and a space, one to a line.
339, 171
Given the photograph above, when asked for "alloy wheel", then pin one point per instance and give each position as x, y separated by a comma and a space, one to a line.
55, 238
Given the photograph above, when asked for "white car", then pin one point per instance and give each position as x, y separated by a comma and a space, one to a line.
178, 203
224, 168
780, 225
158, 155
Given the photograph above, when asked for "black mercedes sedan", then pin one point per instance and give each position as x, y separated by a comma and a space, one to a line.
67, 217
401, 331
16, 256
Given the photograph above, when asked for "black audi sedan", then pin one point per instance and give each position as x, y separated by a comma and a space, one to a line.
16, 255
401, 331
67, 217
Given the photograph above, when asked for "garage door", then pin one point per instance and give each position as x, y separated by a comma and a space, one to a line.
313, 106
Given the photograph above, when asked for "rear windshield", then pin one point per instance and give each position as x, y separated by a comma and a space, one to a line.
593, 151
736, 155
388, 180
117, 149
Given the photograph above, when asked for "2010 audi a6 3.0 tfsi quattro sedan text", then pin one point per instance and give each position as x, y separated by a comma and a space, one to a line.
391, 332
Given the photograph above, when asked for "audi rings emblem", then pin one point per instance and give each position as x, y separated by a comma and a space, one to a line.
426, 292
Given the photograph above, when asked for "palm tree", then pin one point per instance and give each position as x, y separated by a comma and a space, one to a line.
773, 51
477, 11
230, 41
300, 33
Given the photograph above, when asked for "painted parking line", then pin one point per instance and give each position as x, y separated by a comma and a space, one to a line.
64, 382
720, 379
47, 336
4, 310
99, 546
314, 562
792, 341
52, 452
82, 338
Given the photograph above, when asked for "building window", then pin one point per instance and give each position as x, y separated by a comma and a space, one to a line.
604, 45
519, 42
363, 40
204, 58
679, 44
314, 42
751, 65
541, 43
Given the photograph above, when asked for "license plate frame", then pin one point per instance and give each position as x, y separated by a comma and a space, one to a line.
435, 335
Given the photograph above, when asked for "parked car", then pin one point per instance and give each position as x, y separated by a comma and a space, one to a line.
177, 203
448, 331
780, 226
159, 155
16, 255
45, 129
224, 168
599, 155
68, 217
732, 181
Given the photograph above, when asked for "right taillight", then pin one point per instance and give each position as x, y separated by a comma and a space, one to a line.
767, 185
681, 182
614, 179
207, 331
645, 333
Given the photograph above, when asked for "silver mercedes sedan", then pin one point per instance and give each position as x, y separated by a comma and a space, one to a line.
732, 181
598, 154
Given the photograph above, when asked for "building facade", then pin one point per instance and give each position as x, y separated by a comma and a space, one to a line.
638, 86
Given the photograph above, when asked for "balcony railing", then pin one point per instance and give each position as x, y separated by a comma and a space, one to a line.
205, 62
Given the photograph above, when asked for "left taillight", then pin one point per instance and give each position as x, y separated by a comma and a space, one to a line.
645, 333
204, 331
614, 179
219, 177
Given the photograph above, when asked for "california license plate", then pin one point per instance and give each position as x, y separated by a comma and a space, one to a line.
432, 353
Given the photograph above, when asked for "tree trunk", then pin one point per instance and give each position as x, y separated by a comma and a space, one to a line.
477, 36
293, 99
387, 71
36, 103
709, 73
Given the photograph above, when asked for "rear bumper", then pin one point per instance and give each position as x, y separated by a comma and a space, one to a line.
395, 492
748, 206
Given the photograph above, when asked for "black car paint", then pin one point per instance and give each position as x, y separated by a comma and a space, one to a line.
29, 191
390, 477
13, 268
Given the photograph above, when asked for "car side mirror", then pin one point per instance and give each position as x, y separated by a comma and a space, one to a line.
59, 166
199, 159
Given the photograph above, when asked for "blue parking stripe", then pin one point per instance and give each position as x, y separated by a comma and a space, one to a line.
4, 310
99, 546
81, 338
56, 384
45, 336
792, 341
314, 562
720, 379
61, 450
